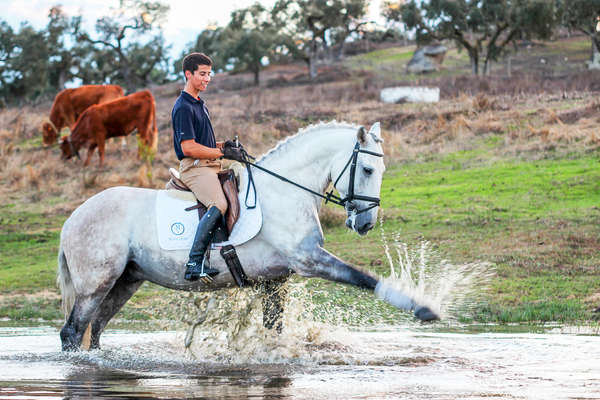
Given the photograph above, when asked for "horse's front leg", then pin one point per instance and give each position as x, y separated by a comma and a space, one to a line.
323, 264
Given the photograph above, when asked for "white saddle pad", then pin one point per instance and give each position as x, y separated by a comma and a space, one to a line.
177, 227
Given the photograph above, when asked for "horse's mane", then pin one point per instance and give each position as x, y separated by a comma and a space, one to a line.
284, 143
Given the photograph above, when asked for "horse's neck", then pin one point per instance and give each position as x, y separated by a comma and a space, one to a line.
307, 158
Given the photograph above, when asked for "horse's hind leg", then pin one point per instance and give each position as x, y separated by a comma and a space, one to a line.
275, 294
83, 309
122, 291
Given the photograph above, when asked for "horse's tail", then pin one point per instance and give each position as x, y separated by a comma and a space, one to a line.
65, 284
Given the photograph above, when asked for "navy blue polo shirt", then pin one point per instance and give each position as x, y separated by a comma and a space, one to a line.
191, 120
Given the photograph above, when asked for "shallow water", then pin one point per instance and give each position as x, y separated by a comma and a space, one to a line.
398, 363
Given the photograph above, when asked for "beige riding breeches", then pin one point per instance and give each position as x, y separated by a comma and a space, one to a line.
201, 177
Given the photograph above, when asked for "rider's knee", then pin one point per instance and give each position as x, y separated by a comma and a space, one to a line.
222, 206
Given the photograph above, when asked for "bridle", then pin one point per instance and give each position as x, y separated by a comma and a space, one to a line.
351, 196
330, 196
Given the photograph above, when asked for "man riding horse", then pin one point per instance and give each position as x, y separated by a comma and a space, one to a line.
199, 154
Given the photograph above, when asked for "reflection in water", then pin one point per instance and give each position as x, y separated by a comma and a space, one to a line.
377, 365
92, 383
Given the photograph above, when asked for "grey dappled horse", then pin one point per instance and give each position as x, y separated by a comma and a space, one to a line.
109, 245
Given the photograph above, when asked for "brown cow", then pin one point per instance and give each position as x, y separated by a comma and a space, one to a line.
116, 118
69, 104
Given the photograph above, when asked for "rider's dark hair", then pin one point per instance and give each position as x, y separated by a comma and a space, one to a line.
192, 60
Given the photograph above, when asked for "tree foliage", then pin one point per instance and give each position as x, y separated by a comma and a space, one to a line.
128, 49
309, 26
484, 28
120, 39
209, 42
582, 16
250, 39
35, 62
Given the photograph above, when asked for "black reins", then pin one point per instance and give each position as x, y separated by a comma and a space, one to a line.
330, 196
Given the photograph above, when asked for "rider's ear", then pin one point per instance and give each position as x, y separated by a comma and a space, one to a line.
362, 135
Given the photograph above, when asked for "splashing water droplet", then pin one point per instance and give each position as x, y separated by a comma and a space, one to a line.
450, 290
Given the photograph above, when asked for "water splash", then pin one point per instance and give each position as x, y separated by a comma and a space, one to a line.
229, 329
452, 290
319, 320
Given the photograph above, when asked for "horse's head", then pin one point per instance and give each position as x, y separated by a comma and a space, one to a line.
361, 184
68, 149
49, 133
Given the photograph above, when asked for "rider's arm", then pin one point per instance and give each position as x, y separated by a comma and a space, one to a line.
183, 126
195, 150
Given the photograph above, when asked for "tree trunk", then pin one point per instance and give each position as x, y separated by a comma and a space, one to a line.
312, 60
62, 79
312, 66
256, 72
341, 48
487, 67
594, 62
474, 57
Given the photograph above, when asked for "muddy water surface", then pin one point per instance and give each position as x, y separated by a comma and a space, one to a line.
397, 363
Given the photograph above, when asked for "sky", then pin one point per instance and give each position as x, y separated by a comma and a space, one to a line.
185, 20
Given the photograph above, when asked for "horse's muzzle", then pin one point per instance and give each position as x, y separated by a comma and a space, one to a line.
365, 228
360, 223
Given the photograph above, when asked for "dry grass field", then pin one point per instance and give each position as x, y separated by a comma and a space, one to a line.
530, 122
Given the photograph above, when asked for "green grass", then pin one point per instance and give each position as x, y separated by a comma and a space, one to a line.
455, 192
29, 242
28, 248
537, 221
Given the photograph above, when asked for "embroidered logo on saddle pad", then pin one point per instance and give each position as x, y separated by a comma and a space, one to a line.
177, 227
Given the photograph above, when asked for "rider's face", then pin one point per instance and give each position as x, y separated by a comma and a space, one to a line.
200, 78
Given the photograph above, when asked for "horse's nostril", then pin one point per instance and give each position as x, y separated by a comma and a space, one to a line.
366, 227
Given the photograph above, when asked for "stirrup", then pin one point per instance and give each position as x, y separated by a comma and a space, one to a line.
205, 274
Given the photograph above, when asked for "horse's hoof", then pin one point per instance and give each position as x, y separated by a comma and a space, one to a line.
424, 313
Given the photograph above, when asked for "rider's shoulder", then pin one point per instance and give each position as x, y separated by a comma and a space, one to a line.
182, 107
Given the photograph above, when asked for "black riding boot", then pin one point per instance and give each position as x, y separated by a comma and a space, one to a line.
206, 229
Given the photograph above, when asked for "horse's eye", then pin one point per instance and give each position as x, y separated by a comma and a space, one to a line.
368, 170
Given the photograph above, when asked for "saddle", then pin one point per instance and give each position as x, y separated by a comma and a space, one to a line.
229, 184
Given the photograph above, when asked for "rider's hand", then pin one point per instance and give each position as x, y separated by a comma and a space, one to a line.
231, 143
233, 153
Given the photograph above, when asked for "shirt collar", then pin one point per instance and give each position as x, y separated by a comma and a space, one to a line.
191, 98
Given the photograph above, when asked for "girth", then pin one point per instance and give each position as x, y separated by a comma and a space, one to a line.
230, 189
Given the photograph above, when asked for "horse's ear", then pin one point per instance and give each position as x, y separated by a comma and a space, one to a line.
375, 131
362, 135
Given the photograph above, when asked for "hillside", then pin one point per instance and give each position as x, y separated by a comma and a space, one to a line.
503, 169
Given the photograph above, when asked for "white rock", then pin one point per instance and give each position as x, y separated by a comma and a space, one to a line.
410, 94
